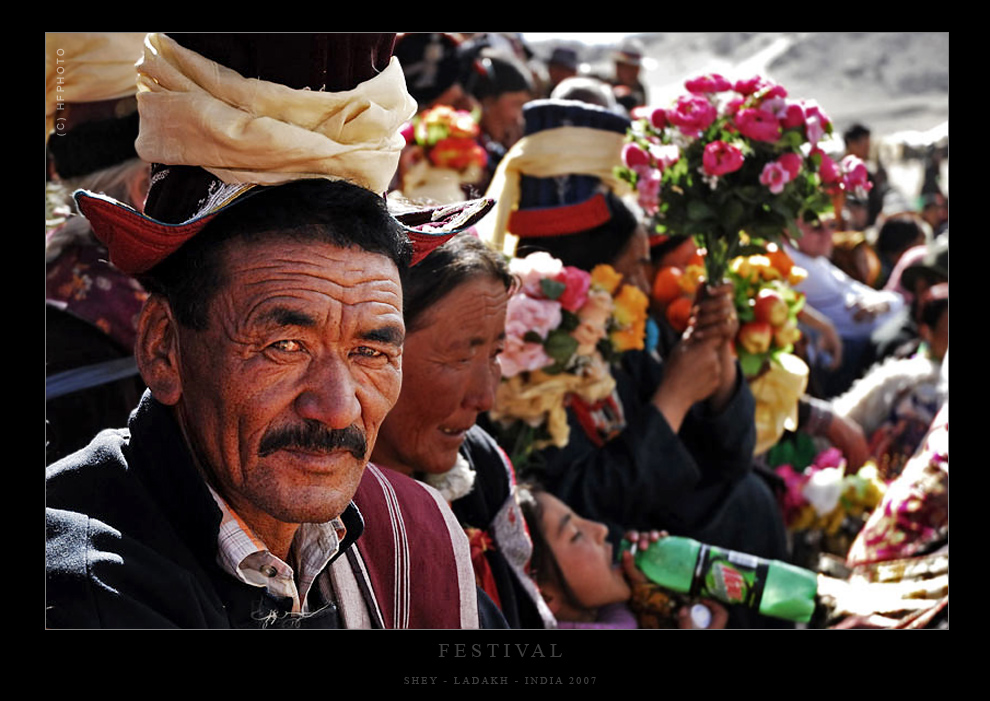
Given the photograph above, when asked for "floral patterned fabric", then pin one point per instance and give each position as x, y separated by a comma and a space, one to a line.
82, 281
913, 515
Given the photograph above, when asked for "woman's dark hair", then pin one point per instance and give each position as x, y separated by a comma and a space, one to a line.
588, 248
899, 233
934, 304
320, 210
463, 258
500, 74
543, 565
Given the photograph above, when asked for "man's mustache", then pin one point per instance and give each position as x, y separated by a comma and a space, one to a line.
313, 436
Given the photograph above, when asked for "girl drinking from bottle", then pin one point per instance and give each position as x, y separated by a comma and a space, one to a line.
574, 565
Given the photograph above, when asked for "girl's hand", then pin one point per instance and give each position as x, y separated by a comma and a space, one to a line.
641, 541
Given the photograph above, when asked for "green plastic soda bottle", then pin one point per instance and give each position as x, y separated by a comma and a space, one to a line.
774, 588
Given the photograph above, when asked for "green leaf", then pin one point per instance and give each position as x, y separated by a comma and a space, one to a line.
552, 289
568, 321
698, 211
731, 215
792, 139
532, 337
750, 364
560, 345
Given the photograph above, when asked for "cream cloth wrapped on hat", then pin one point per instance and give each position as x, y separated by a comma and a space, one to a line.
244, 130
89, 67
546, 154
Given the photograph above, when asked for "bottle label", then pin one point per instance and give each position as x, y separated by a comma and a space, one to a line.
729, 577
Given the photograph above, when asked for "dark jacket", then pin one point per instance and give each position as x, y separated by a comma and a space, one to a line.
132, 540
698, 482
481, 508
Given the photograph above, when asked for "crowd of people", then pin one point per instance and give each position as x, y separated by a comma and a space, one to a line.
282, 278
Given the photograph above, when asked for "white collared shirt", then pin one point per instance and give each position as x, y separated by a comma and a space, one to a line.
243, 555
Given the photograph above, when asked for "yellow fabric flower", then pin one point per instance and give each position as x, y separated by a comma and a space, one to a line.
604, 277
630, 306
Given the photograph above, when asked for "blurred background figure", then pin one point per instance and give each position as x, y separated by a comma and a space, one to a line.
854, 309
562, 64
628, 62
505, 86
588, 89
859, 143
437, 70
897, 234
91, 308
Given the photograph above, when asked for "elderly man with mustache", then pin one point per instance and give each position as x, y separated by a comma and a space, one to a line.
240, 493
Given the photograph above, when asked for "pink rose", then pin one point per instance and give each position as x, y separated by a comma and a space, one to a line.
774, 90
576, 285
855, 175
793, 115
533, 268
828, 171
813, 129
519, 356
759, 125
775, 176
777, 106
658, 119
792, 163
692, 114
721, 158
709, 83
525, 313
816, 123
634, 155
813, 109
750, 86
733, 105
648, 189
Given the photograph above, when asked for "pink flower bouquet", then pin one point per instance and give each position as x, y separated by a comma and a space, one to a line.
564, 326
731, 157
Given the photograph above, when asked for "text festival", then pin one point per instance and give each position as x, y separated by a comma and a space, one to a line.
496, 650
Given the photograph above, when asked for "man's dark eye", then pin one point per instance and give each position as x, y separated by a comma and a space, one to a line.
287, 346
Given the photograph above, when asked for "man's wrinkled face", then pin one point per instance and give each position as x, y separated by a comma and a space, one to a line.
284, 392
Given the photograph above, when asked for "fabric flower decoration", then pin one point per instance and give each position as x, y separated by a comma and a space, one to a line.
534, 268
576, 283
604, 277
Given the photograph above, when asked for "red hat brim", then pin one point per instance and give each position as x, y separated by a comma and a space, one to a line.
137, 243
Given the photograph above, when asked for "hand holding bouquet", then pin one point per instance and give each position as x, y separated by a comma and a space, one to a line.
735, 157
